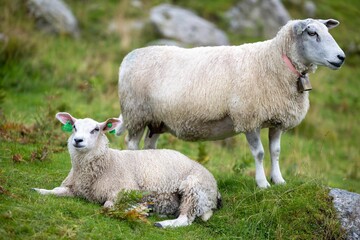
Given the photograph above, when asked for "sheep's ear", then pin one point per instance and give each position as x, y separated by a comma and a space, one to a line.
110, 124
300, 26
64, 117
330, 23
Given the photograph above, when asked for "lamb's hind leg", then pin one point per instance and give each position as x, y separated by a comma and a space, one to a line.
58, 191
189, 206
257, 151
274, 144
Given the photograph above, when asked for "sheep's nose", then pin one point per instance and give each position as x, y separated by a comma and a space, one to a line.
78, 140
341, 57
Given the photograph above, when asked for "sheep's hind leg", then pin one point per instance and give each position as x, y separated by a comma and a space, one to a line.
133, 139
257, 151
150, 142
274, 144
58, 191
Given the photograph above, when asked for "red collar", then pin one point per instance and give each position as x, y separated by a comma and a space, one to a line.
290, 65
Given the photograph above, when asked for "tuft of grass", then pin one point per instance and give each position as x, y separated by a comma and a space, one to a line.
129, 206
298, 210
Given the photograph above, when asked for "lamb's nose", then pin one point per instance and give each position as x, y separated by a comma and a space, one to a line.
341, 57
78, 140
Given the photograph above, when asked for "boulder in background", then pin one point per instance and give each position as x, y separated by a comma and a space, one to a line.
185, 26
257, 18
54, 16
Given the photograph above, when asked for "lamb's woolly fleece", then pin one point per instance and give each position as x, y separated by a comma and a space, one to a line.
192, 91
101, 173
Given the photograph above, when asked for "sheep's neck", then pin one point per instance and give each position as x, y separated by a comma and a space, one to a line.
303, 83
290, 65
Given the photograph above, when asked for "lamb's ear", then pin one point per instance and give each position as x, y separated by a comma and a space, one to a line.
110, 124
64, 117
330, 23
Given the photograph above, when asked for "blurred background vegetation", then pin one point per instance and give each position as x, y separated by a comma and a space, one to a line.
42, 73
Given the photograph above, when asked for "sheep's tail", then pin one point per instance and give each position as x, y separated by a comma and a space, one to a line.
120, 129
219, 201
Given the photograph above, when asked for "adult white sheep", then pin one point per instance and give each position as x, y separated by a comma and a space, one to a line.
210, 93
178, 185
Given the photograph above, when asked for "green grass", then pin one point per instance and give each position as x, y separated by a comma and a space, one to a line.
42, 74
248, 212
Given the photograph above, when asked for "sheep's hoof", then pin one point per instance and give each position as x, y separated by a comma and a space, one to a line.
263, 184
278, 180
158, 225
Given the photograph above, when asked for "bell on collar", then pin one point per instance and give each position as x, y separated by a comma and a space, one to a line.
304, 83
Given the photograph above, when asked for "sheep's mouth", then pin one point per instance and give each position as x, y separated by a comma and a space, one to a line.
336, 65
78, 146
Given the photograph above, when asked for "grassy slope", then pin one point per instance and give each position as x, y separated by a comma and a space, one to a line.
43, 74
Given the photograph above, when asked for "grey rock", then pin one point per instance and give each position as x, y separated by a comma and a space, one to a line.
166, 42
3, 43
309, 9
257, 18
137, 25
185, 26
54, 16
3, 37
353, 47
136, 3
347, 204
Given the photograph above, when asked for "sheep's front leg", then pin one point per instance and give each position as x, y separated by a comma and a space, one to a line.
134, 139
58, 191
257, 151
274, 144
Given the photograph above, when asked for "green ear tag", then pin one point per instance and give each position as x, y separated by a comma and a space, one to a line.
67, 127
109, 125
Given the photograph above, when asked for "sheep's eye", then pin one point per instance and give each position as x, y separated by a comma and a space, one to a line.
95, 130
312, 33
74, 128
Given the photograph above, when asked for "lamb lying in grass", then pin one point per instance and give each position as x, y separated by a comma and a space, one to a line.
182, 187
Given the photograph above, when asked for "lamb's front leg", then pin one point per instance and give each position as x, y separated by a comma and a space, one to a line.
58, 191
257, 151
274, 144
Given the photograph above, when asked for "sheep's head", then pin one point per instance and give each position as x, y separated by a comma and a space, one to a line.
316, 45
85, 132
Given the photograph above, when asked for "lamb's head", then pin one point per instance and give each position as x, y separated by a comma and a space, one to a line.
86, 132
315, 45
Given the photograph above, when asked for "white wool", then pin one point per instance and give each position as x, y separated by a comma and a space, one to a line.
210, 93
178, 185
204, 85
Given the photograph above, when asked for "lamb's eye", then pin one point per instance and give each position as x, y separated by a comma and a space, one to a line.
74, 128
95, 130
